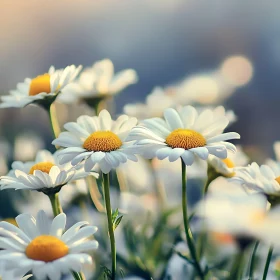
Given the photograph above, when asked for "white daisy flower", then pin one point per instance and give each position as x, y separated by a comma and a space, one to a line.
183, 133
233, 212
226, 166
262, 178
97, 140
98, 81
158, 100
44, 174
41, 246
43, 87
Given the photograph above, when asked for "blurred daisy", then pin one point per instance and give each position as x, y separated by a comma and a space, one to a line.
183, 133
234, 212
44, 174
97, 140
41, 246
44, 87
262, 178
99, 81
225, 167
158, 100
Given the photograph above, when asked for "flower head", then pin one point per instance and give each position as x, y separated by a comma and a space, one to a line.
97, 140
98, 81
40, 89
262, 178
42, 246
226, 166
44, 174
183, 133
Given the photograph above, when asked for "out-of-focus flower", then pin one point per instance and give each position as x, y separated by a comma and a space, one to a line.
97, 140
225, 167
43, 88
98, 81
233, 212
44, 174
183, 133
259, 178
42, 246
158, 100
31, 143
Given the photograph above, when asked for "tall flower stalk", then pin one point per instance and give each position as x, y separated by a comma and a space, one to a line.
188, 232
106, 185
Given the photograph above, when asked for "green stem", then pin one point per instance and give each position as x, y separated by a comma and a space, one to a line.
268, 259
211, 176
106, 185
56, 207
236, 266
53, 120
188, 232
252, 262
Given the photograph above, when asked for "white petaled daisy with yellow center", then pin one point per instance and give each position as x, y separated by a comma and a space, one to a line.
97, 81
97, 140
183, 133
262, 178
44, 174
225, 167
42, 246
45, 86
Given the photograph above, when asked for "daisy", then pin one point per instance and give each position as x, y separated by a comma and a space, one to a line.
158, 100
44, 174
41, 89
262, 178
97, 140
183, 133
225, 167
41, 246
99, 81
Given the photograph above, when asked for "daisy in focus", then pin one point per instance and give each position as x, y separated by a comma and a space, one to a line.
225, 167
262, 179
43, 88
44, 174
97, 140
41, 246
184, 133
98, 81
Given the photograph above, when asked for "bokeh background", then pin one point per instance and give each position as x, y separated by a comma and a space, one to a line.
165, 41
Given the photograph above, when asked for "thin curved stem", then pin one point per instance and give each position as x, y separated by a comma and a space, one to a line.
236, 266
57, 209
53, 120
252, 262
106, 185
188, 232
267, 263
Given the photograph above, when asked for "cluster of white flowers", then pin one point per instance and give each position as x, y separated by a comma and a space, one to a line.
239, 202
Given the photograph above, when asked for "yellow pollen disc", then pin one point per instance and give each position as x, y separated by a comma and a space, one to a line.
228, 162
43, 166
46, 248
278, 180
185, 138
11, 221
40, 84
102, 141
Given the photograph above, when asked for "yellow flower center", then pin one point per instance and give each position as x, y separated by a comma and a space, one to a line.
102, 141
185, 138
43, 166
278, 180
11, 221
228, 162
46, 248
40, 84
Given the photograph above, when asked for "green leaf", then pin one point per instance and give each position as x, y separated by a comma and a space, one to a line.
115, 214
117, 222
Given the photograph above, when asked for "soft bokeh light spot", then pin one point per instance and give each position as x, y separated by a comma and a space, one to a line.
237, 70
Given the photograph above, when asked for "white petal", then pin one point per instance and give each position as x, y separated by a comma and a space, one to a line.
173, 119
188, 157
